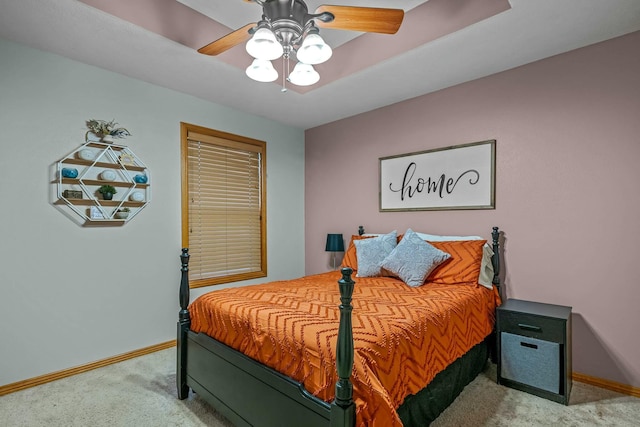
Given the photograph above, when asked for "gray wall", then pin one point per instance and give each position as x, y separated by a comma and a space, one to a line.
71, 295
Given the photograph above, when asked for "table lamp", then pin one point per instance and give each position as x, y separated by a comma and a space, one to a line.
335, 243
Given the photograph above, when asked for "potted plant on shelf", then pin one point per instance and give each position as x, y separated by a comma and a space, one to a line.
122, 213
107, 191
105, 130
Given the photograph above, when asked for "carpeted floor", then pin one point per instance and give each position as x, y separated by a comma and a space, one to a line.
141, 392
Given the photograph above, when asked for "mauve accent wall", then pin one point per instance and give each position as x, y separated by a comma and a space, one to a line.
567, 177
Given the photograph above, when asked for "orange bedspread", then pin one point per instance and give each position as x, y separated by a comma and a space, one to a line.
402, 336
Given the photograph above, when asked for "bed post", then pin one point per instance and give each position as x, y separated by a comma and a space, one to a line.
343, 410
495, 259
184, 323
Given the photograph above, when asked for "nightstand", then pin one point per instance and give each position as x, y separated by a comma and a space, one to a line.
534, 348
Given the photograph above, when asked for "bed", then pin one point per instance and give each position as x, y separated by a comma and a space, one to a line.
370, 351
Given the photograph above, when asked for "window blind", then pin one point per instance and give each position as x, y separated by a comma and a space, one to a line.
225, 209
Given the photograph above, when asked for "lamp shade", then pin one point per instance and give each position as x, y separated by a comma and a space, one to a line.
262, 71
314, 50
264, 45
303, 75
335, 243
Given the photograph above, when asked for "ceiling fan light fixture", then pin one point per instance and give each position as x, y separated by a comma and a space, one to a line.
314, 50
264, 45
287, 29
262, 70
304, 75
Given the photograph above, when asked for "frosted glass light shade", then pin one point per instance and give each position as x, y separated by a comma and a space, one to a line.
314, 50
263, 45
304, 75
262, 71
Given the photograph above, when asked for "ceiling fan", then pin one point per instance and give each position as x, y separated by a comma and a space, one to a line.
287, 28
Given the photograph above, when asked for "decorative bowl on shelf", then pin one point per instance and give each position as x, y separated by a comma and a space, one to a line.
140, 179
137, 196
86, 154
69, 173
108, 175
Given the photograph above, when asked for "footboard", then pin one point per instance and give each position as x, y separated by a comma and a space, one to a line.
249, 393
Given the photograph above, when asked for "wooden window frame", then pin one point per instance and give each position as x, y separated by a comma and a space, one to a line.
212, 137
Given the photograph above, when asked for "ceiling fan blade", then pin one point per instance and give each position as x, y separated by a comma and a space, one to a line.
227, 42
365, 19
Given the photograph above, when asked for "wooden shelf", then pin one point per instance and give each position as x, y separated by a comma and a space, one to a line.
105, 165
72, 181
101, 145
92, 202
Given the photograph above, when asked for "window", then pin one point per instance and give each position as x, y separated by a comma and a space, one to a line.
223, 206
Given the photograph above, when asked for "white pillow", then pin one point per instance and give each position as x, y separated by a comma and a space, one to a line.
371, 253
413, 259
486, 268
439, 238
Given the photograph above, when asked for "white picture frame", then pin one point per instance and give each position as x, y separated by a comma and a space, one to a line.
450, 178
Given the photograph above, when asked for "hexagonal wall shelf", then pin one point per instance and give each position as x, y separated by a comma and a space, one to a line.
82, 174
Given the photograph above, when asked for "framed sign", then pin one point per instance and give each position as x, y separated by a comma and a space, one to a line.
458, 177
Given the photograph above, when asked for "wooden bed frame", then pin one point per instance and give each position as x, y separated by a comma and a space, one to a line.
248, 393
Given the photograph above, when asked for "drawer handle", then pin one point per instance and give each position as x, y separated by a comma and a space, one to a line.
529, 345
529, 327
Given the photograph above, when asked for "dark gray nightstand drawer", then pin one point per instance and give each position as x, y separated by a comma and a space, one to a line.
531, 361
534, 326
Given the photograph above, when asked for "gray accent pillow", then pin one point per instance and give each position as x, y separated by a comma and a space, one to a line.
371, 252
413, 259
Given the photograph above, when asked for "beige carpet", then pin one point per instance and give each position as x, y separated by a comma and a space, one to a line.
141, 392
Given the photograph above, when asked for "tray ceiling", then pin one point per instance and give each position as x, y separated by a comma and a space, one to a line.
441, 43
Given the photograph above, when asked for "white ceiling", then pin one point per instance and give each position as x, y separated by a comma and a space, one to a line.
529, 31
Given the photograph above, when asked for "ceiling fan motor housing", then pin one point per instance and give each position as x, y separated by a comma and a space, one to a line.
285, 9
288, 19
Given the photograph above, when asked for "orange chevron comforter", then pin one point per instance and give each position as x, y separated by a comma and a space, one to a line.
402, 336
